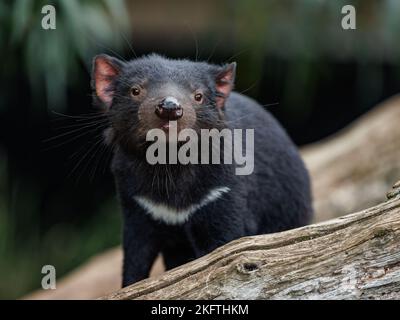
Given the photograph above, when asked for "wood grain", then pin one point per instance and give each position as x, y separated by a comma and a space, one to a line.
356, 256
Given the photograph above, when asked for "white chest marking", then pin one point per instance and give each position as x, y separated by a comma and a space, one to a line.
172, 215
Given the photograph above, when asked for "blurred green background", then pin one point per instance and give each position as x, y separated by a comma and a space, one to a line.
57, 199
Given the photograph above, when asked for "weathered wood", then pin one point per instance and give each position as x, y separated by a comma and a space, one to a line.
353, 169
353, 257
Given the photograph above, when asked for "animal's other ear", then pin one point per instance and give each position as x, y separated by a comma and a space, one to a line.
224, 83
104, 71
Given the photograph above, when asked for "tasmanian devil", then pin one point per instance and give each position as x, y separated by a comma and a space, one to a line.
187, 210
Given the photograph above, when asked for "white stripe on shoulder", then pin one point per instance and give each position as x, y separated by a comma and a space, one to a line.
172, 215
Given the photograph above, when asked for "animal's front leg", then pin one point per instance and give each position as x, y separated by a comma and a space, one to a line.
141, 246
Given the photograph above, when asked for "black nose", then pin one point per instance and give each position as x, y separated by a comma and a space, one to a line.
169, 109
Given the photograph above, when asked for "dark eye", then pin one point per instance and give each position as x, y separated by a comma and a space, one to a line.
198, 97
135, 91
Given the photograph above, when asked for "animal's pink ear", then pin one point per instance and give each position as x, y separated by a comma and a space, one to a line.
225, 82
105, 70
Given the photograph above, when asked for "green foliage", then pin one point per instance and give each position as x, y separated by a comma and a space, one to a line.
64, 245
303, 32
51, 57
312, 29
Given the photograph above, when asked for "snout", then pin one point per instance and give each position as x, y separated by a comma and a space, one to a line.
169, 109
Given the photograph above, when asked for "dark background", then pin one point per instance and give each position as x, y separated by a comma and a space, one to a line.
57, 199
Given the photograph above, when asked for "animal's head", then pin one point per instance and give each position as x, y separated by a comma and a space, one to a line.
148, 92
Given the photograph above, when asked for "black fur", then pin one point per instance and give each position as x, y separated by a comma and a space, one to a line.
275, 197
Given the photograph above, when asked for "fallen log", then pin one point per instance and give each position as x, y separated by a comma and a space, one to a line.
356, 256
352, 170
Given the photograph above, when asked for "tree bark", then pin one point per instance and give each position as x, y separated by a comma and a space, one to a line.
353, 257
